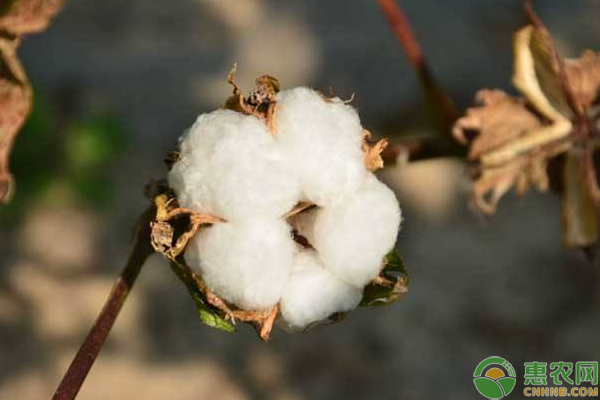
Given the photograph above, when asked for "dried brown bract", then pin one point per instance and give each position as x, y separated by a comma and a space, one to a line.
260, 102
373, 160
169, 238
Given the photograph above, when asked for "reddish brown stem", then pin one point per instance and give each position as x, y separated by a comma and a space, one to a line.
438, 100
401, 27
87, 353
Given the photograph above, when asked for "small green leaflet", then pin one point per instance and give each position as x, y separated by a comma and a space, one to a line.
394, 283
208, 314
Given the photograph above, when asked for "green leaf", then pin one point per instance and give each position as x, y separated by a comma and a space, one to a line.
93, 142
208, 314
394, 285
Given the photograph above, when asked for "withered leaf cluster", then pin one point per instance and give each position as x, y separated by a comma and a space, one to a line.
512, 139
173, 226
17, 18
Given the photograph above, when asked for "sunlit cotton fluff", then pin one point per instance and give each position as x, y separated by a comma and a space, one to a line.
323, 139
313, 293
231, 167
353, 235
245, 263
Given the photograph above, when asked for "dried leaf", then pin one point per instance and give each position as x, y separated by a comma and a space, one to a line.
390, 285
17, 17
20, 17
537, 73
498, 120
583, 75
15, 103
512, 144
523, 171
580, 210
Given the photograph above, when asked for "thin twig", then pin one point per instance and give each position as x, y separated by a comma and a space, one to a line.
437, 98
405, 150
89, 349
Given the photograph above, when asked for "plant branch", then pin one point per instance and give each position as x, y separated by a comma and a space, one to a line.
438, 100
89, 349
419, 149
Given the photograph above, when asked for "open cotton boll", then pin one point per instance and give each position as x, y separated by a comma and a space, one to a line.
353, 235
313, 293
324, 141
230, 166
245, 263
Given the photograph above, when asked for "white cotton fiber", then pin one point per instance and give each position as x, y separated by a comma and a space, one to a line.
353, 235
231, 167
313, 293
323, 140
245, 263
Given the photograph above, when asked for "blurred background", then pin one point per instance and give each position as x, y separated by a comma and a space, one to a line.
117, 82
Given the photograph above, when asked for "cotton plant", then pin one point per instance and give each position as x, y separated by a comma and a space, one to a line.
271, 211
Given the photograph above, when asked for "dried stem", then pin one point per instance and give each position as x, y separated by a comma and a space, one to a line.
439, 101
89, 349
418, 149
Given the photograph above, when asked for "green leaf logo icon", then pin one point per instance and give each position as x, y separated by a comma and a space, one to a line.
494, 378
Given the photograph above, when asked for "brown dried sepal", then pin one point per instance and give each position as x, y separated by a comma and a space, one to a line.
261, 102
163, 241
163, 232
372, 151
262, 321
399, 288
